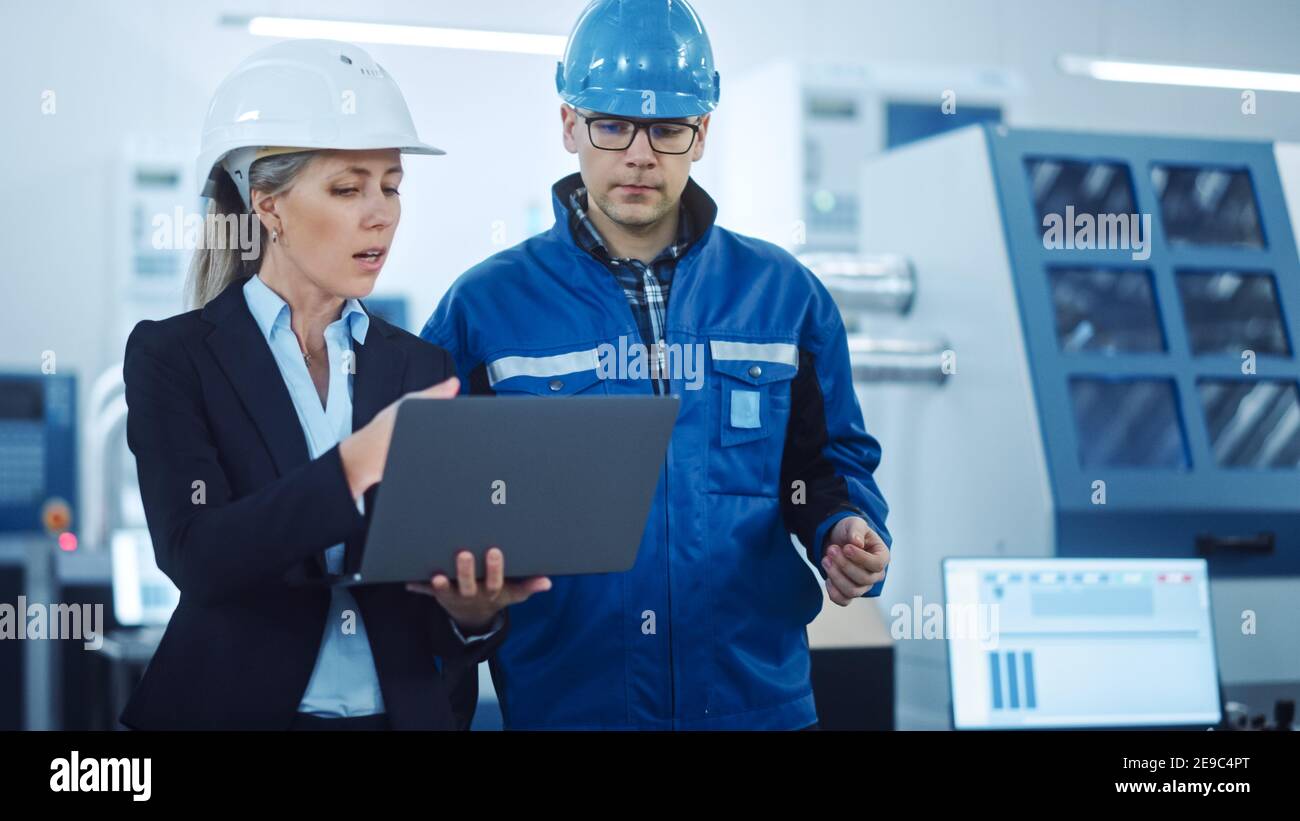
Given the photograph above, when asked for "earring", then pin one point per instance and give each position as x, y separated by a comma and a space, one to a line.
275, 235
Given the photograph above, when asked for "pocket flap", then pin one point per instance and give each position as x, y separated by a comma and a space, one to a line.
757, 363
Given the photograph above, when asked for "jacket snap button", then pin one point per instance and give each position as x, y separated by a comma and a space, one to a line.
556, 384
755, 371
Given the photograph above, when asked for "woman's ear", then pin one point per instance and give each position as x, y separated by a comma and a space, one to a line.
264, 206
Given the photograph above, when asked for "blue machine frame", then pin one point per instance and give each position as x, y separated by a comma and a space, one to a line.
1150, 511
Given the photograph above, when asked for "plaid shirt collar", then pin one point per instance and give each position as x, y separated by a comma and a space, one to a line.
584, 231
695, 216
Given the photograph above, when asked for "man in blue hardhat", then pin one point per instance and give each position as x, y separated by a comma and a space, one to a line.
708, 629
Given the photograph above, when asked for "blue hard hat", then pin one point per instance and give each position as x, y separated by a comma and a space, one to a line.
639, 58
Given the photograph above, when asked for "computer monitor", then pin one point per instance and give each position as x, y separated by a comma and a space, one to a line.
1080, 643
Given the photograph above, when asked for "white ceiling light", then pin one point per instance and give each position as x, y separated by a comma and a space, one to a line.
1178, 75
551, 45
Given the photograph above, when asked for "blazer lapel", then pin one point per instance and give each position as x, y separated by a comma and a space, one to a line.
378, 379
243, 355
376, 384
240, 349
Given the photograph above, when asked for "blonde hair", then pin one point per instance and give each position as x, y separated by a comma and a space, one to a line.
215, 265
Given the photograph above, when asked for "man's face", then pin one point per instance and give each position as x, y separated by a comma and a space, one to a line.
637, 186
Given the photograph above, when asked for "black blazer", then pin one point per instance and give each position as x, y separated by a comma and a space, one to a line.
208, 404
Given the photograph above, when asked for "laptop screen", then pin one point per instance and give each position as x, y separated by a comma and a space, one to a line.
1080, 643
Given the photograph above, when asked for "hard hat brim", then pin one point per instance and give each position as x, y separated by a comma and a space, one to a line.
624, 102
207, 187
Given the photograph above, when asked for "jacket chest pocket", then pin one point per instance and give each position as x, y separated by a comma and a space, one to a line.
565, 374
750, 409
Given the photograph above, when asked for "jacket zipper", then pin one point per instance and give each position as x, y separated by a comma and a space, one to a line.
668, 563
668, 557
659, 391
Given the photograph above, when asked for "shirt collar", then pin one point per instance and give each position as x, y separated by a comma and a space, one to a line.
270, 311
695, 217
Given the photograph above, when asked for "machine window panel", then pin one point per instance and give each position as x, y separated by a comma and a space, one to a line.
1253, 423
1082, 187
1231, 312
1129, 423
1207, 206
1105, 310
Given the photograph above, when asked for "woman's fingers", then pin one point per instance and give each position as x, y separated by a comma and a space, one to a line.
521, 590
537, 584
446, 389
465, 580
495, 592
438, 584
495, 562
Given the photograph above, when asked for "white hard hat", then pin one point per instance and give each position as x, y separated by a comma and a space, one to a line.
304, 94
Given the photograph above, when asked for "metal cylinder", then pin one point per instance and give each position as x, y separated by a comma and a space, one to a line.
898, 360
880, 283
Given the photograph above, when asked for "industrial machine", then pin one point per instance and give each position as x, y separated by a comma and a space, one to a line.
38, 497
1117, 379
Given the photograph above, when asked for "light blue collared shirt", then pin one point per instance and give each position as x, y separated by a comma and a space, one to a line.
344, 681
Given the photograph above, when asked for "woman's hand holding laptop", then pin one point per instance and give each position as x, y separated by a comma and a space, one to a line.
473, 604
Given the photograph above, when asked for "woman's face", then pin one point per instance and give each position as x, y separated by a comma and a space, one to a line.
336, 222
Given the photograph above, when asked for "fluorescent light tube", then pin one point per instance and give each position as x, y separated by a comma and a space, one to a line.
403, 35
1178, 75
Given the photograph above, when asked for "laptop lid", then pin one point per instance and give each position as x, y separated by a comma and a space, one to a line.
562, 485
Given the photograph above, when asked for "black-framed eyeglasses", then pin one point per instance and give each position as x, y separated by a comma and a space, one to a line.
618, 134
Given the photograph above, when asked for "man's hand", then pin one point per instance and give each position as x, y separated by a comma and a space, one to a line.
474, 605
854, 559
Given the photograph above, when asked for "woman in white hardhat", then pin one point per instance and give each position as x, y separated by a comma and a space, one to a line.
260, 423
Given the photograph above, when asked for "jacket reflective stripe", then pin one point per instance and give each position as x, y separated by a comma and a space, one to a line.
541, 366
782, 352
